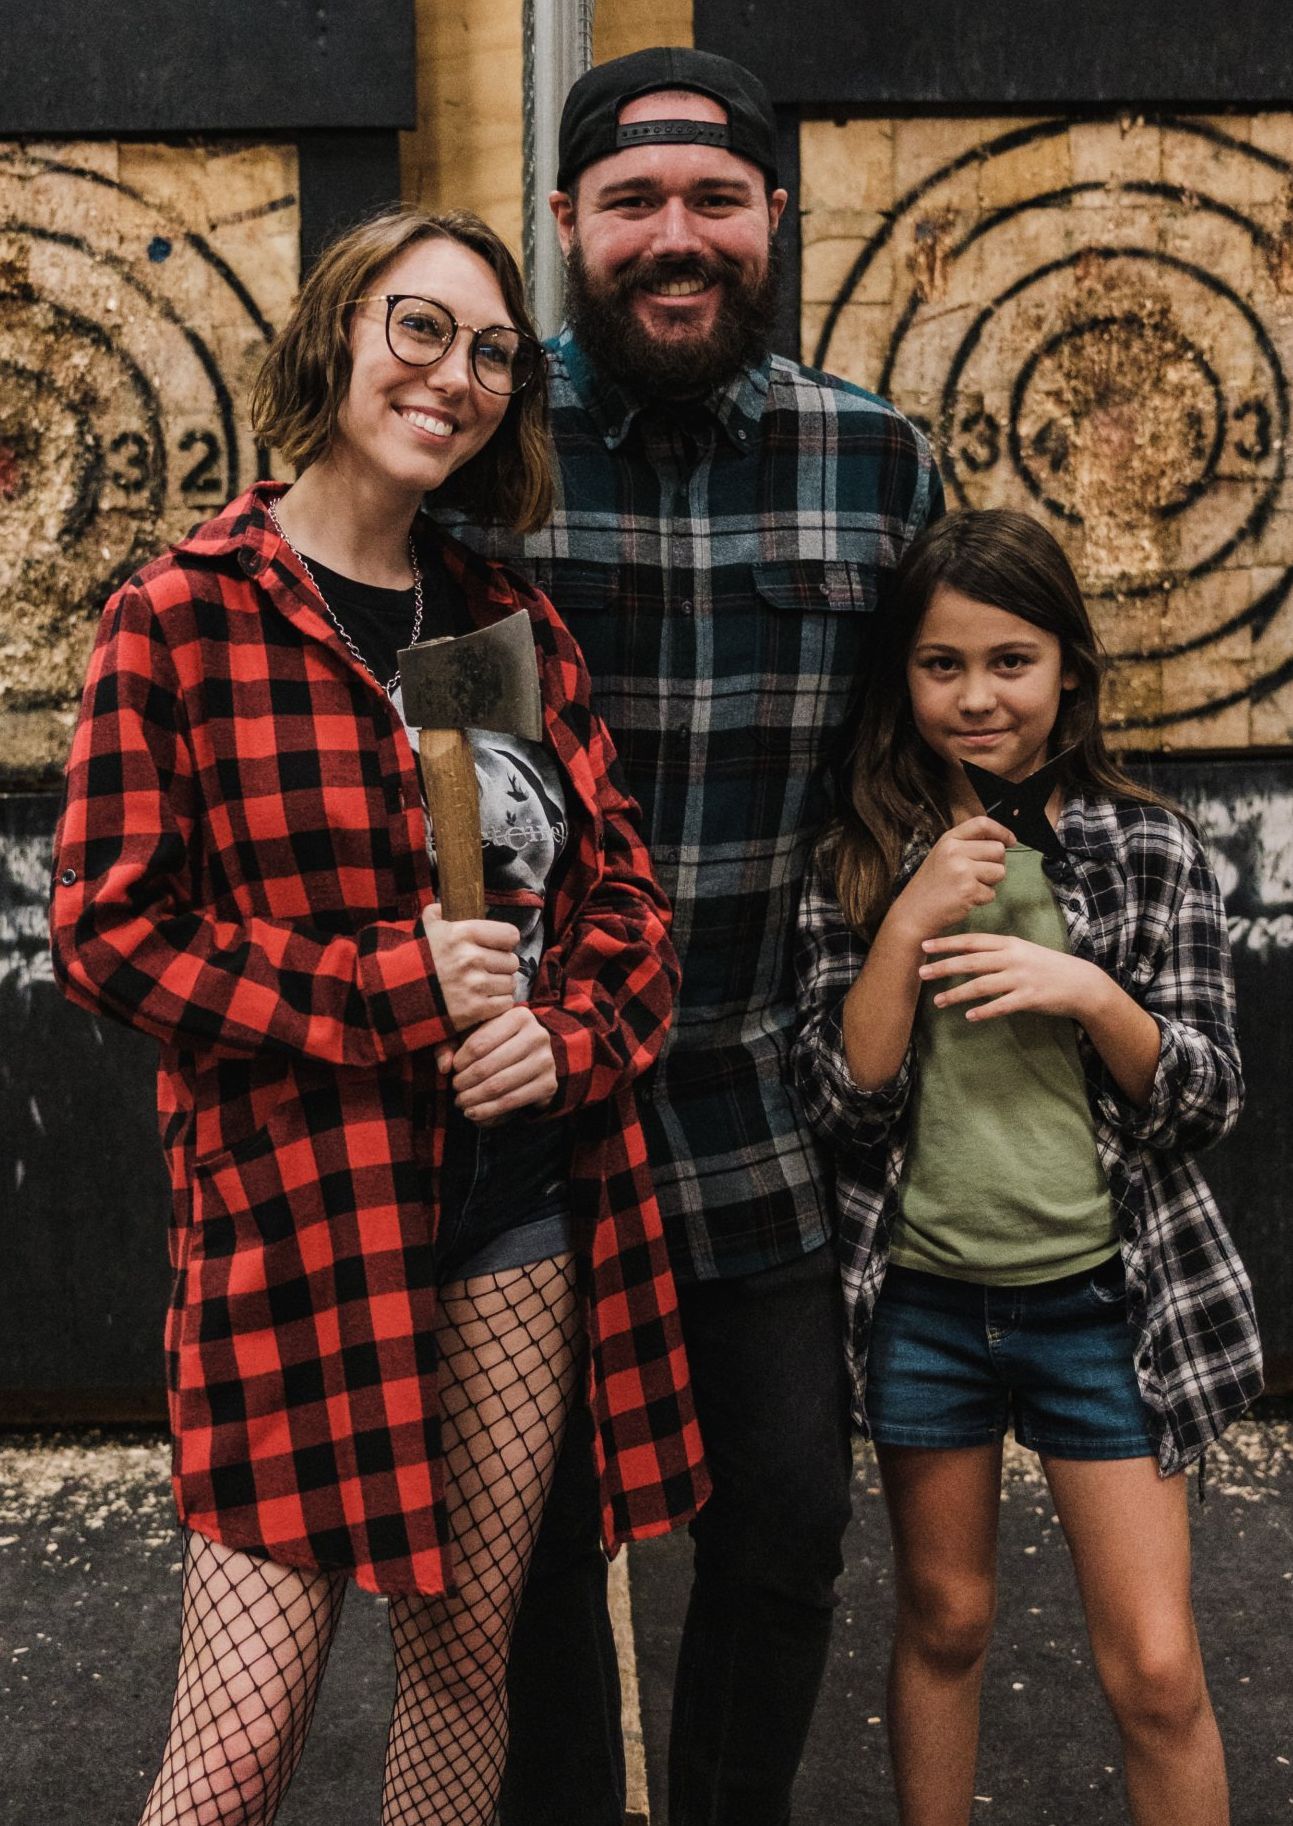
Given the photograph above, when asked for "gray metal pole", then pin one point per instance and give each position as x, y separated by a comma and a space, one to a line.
558, 44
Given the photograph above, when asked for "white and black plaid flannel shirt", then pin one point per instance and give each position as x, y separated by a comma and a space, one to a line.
1139, 899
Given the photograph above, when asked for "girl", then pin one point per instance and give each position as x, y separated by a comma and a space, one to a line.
383, 1308
1015, 1061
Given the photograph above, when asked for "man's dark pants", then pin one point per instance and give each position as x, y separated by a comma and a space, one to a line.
767, 1367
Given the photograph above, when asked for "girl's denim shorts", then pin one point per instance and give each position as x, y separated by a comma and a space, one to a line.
950, 1363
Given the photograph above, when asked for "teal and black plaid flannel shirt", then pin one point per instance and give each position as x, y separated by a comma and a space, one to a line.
718, 564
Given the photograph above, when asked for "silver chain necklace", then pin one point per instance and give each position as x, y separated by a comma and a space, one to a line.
390, 686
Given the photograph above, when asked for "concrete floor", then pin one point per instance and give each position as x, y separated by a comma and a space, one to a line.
1049, 1753
89, 1581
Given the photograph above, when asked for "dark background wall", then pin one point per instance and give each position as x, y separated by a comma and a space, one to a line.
1010, 55
83, 1204
83, 1199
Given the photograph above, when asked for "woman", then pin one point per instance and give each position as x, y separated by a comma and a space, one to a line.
382, 1308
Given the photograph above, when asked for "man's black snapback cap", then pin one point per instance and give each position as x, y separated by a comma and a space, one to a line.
590, 125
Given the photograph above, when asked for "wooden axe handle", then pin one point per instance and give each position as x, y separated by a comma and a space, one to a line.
449, 778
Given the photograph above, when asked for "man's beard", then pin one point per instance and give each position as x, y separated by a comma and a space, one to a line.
685, 365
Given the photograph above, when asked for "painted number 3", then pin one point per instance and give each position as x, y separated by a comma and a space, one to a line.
982, 447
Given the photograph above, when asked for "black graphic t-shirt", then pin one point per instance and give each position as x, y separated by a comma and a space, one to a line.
522, 803
522, 813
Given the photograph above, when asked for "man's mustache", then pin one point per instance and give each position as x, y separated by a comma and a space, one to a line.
646, 275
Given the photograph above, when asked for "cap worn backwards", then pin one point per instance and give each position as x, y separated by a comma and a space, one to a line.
591, 127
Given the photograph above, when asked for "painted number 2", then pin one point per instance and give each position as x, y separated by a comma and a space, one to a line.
204, 476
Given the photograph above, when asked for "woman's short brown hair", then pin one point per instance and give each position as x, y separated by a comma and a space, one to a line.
304, 377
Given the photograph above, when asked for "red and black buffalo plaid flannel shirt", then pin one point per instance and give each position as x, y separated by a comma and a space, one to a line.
239, 871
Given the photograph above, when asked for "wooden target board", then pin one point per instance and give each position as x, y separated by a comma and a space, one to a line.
139, 287
1094, 322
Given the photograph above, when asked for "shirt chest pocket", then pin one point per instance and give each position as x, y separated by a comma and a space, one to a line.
597, 609
814, 624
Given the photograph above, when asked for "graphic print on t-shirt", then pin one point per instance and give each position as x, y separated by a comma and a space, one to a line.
523, 831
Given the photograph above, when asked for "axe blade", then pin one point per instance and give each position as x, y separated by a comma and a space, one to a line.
488, 679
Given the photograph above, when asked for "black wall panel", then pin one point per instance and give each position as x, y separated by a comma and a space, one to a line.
83, 1196
785, 338
190, 66
1244, 806
84, 1203
343, 177
1007, 54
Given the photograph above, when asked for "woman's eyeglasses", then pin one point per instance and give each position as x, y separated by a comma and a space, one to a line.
420, 332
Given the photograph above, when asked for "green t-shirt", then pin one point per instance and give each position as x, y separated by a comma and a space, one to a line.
1002, 1183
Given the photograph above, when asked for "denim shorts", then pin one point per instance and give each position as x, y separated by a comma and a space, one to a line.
504, 1200
950, 1363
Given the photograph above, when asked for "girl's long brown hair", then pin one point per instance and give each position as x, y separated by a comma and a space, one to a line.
892, 784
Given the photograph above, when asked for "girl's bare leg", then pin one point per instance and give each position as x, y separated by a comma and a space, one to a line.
511, 1345
943, 1510
254, 1644
1129, 1534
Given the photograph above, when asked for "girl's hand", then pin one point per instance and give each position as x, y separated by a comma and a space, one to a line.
960, 872
1011, 976
505, 1065
475, 962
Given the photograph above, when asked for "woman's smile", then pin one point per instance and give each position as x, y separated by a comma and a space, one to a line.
430, 423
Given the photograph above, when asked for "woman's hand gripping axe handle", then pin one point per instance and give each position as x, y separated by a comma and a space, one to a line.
488, 679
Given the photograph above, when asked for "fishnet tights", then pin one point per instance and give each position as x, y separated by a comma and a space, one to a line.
256, 1634
253, 1646
510, 1356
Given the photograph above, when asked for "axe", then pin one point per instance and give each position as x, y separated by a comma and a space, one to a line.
488, 679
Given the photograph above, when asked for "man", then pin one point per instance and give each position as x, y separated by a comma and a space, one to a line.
727, 523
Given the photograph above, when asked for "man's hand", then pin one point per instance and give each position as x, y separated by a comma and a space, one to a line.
504, 1066
475, 962
1011, 976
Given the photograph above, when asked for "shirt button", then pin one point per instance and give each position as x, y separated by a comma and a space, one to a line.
668, 854
251, 563
68, 877
687, 608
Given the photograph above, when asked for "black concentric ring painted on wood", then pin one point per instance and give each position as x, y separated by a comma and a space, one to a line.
148, 466
1251, 432
1127, 324
1262, 507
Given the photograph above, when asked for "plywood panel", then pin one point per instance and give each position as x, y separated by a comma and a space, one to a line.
1094, 322
621, 26
466, 149
139, 285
